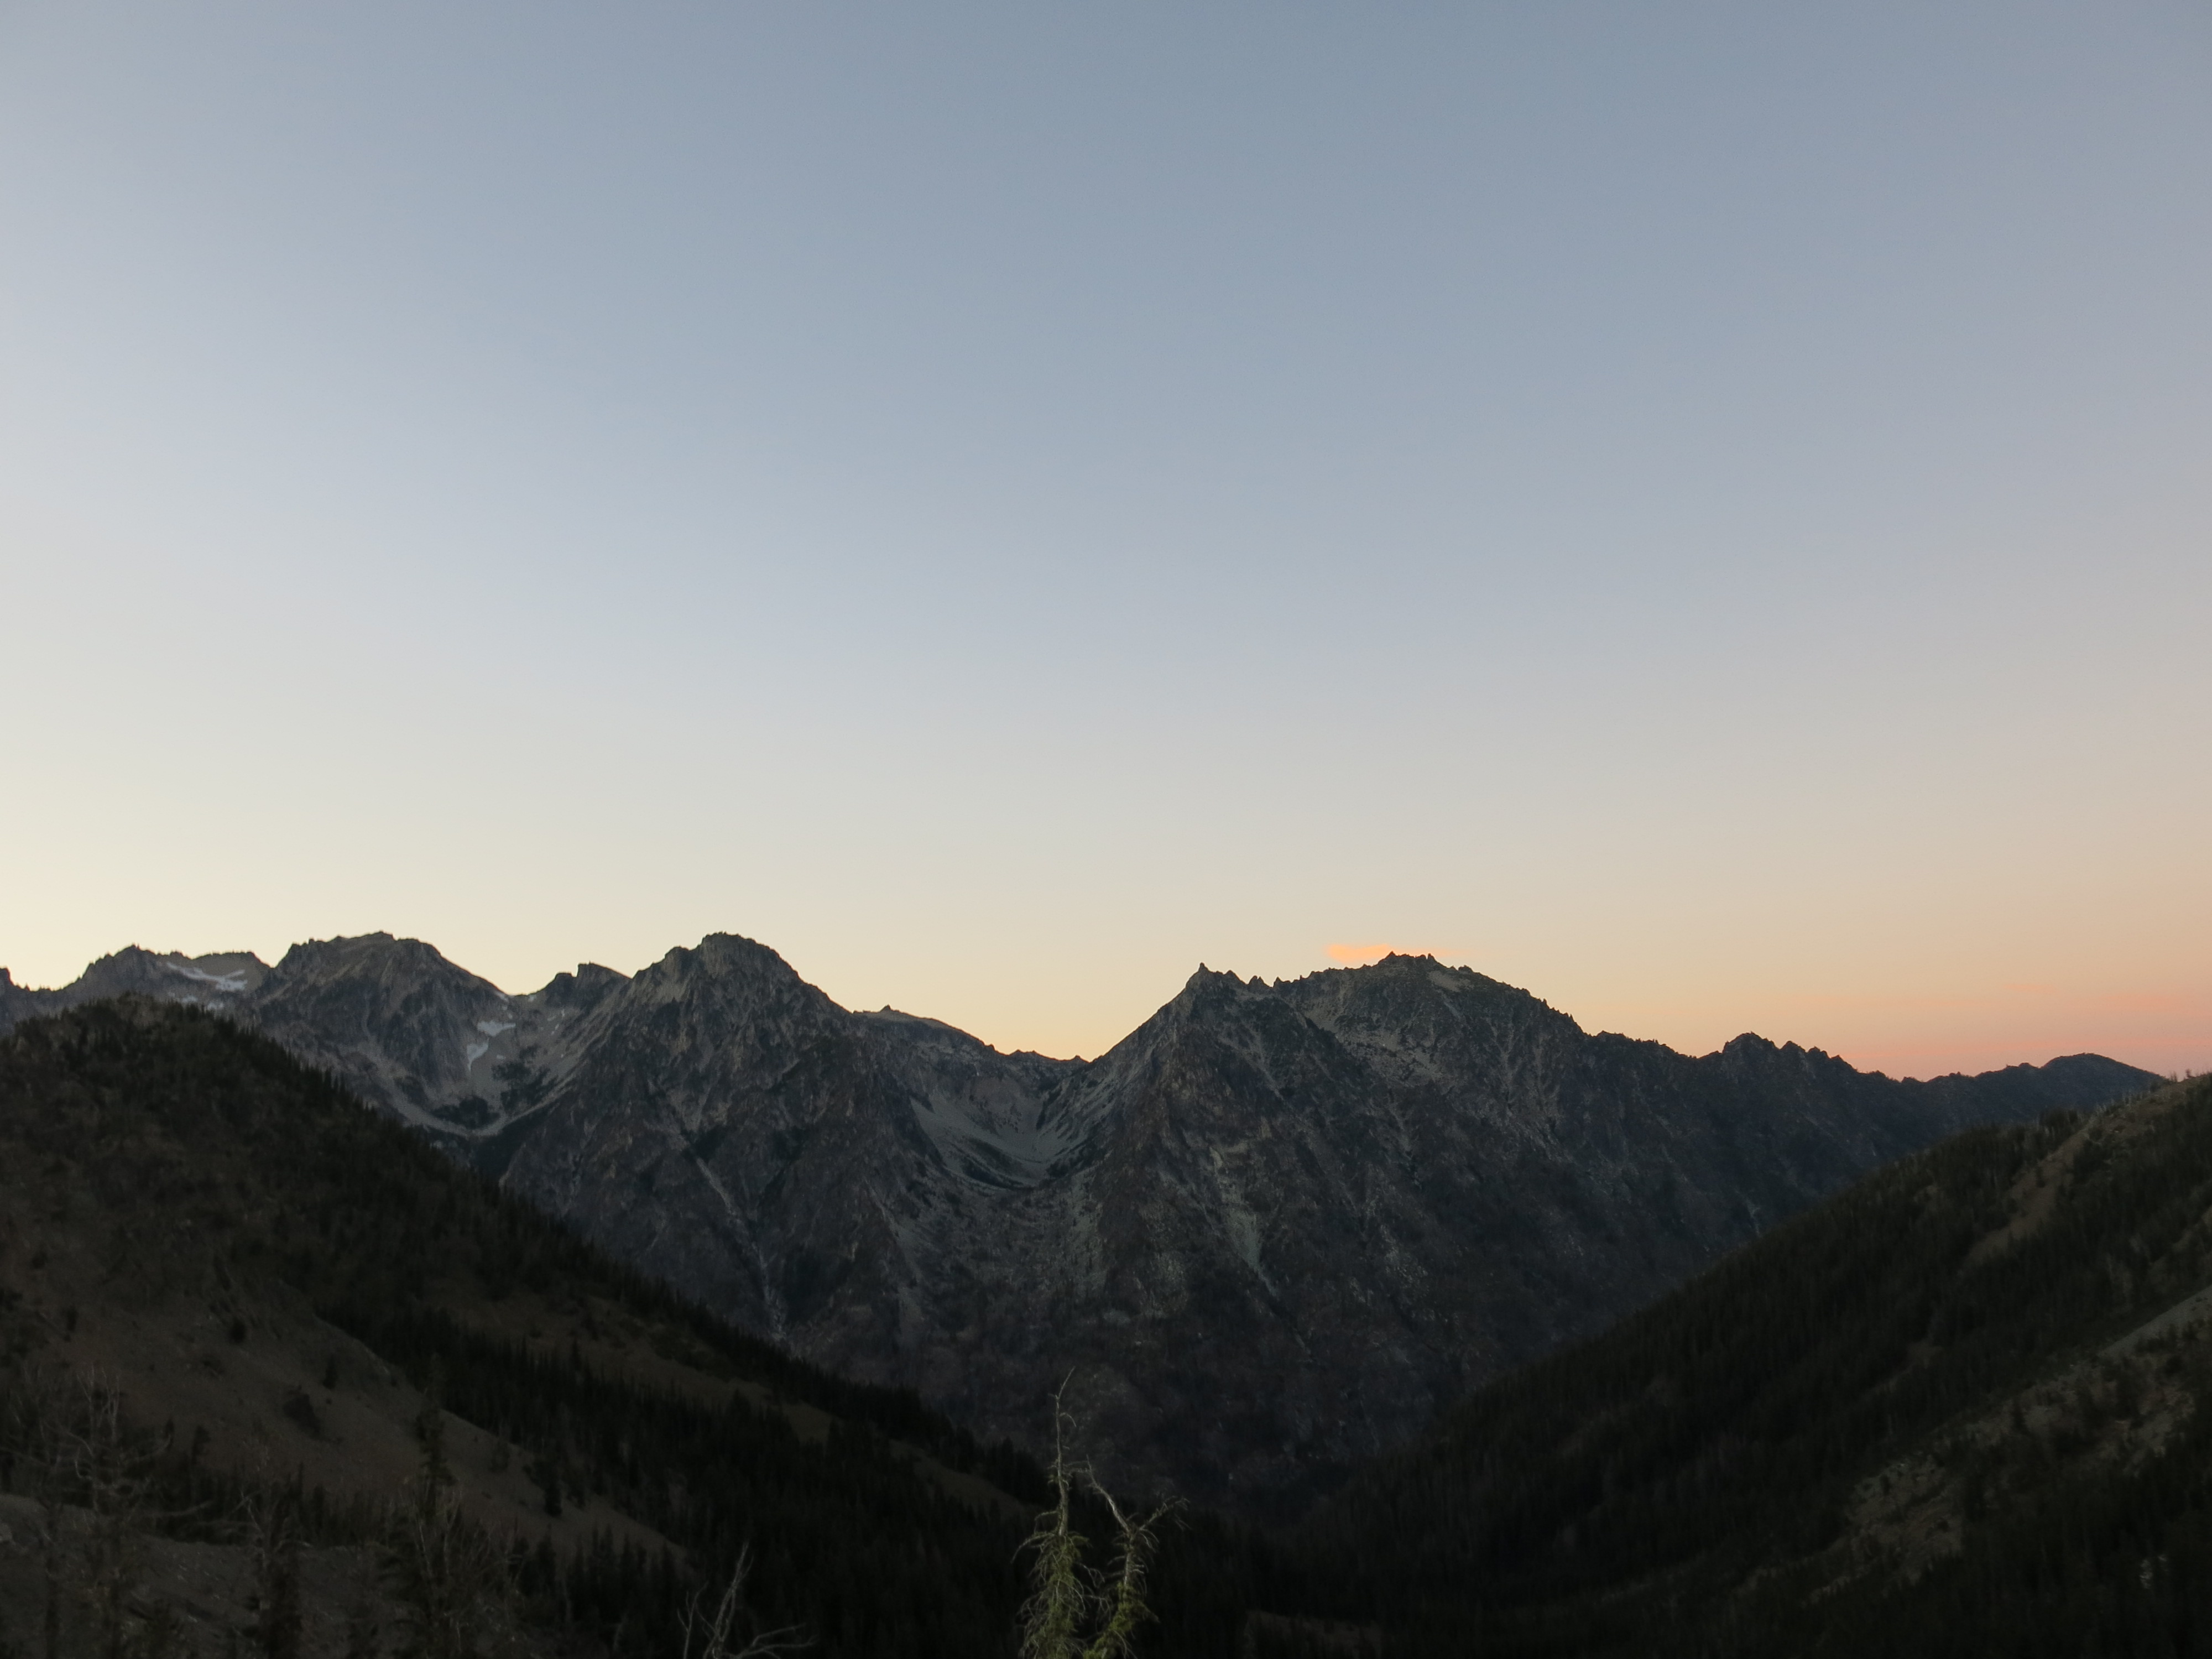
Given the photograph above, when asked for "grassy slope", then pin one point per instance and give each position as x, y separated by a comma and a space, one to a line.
1957, 1403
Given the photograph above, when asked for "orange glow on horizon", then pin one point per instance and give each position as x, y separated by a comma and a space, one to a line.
1927, 1035
1359, 956
1356, 956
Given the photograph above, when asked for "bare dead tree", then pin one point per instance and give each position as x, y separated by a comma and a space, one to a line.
116, 1490
715, 1631
272, 1541
70, 1437
1077, 1612
449, 1580
455, 1591
36, 1426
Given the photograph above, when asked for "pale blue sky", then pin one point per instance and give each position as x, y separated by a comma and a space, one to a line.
1702, 511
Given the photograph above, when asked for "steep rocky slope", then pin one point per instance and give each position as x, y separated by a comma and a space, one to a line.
1266, 1236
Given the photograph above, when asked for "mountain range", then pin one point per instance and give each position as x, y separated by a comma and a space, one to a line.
1265, 1237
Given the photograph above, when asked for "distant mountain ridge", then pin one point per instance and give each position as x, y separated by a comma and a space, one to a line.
1268, 1234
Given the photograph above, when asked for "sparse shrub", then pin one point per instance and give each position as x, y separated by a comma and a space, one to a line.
301, 1411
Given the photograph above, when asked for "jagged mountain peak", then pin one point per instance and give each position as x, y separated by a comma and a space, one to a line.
727, 1005
1750, 1051
1393, 978
167, 975
582, 990
385, 956
1209, 1008
899, 1016
1400, 973
1204, 978
401, 1023
745, 965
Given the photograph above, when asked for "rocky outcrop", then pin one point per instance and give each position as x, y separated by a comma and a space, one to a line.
223, 980
1264, 1238
451, 1053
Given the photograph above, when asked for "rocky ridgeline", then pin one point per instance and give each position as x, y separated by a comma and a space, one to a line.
1266, 1236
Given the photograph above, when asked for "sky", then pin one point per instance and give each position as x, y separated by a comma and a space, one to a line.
1703, 512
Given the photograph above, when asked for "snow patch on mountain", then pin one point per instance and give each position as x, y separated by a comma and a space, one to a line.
231, 983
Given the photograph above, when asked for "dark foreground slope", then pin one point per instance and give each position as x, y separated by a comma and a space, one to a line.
277, 1279
1269, 1234
1966, 1406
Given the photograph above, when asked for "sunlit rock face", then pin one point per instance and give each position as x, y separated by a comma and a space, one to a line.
1266, 1236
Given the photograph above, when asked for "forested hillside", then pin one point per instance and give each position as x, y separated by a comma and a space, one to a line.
1960, 1408
281, 1289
